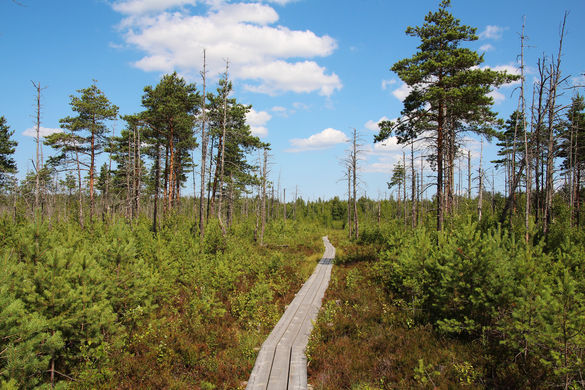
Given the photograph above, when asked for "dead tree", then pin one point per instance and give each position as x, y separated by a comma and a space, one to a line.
39, 157
480, 191
204, 139
263, 206
413, 184
525, 127
554, 83
354, 167
349, 219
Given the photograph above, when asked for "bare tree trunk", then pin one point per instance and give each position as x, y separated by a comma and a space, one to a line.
166, 176
273, 205
284, 204
79, 187
137, 172
420, 191
92, 170
404, 188
575, 185
349, 221
526, 149
156, 189
469, 174
209, 202
38, 141
440, 151
537, 136
354, 169
171, 168
450, 169
413, 184
263, 207
480, 194
223, 126
230, 209
130, 170
107, 194
204, 139
555, 79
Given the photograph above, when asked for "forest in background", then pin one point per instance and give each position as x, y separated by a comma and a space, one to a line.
114, 278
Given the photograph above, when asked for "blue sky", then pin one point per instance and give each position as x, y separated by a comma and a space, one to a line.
312, 70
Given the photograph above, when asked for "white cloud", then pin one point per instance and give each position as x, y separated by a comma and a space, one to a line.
509, 68
273, 57
497, 96
43, 131
143, 6
390, 145
257, 121
402, 92
323, 140
281, 76
373, 126
487, 47
492, 32
386, 83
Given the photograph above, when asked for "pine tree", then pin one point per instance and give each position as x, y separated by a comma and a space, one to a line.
7, 148
93, 110
449, 92
170, 109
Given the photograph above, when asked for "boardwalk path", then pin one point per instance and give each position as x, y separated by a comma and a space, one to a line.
281, 363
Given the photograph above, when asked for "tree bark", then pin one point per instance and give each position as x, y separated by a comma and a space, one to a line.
354, 169
413, 184
204, 138
263, 206
440, 151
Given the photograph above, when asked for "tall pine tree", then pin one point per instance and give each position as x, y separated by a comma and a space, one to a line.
449, 92
93, 110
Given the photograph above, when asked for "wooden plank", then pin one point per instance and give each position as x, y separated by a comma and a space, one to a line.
281, 362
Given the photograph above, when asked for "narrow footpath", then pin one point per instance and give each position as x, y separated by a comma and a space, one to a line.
281, 363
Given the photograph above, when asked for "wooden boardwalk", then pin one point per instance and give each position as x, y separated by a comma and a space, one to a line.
281, 362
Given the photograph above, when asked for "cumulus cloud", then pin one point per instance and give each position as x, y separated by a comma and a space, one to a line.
509, 68
281, 76
323, 140
492, 32
144, 6
43, 132
270, 57
257, 121
401, 92
373, 126
487, 47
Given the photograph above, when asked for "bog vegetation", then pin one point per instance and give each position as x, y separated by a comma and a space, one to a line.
112, 277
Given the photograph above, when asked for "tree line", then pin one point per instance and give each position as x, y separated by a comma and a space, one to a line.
149, 161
